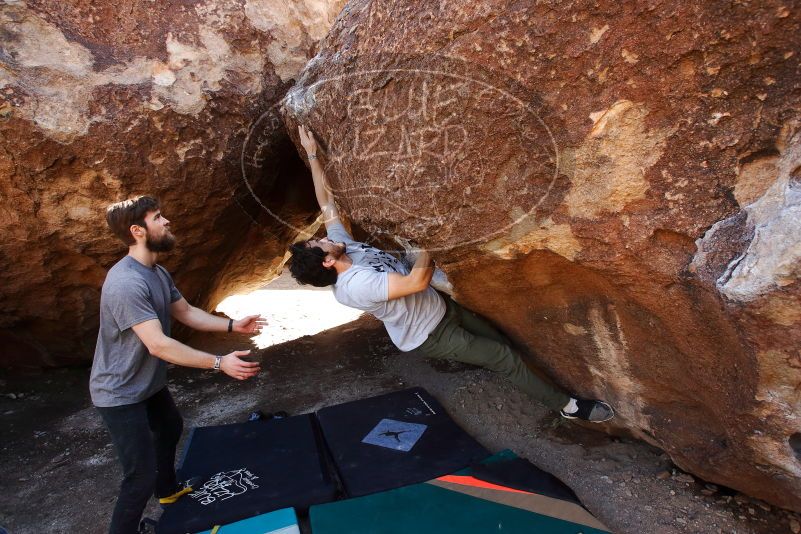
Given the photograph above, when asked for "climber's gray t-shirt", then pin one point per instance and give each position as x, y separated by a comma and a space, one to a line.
123, 371
365, 286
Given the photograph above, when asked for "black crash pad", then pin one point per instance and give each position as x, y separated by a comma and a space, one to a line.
393, 440
250, 468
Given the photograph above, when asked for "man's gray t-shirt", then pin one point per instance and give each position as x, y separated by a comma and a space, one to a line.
365, 286
123, 371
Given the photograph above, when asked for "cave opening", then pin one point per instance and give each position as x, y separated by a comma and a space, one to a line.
280, 201
274, 185
795, 444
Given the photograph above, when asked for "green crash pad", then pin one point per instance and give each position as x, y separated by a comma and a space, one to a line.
458, 504
281, 521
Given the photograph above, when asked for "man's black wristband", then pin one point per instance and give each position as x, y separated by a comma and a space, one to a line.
230, 325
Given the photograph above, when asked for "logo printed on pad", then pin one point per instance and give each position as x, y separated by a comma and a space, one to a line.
225, 485
398, 435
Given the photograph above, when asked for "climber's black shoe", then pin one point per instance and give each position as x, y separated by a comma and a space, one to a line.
594, 411
147, 526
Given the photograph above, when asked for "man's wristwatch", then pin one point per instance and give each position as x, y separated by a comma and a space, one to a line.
217, 362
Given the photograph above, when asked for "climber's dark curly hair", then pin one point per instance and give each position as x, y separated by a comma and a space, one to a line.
306, 266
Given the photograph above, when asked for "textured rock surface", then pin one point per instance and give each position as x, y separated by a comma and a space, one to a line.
100, 102
616, 185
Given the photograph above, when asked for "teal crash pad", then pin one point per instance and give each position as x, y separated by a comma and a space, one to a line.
457, 504
281, 521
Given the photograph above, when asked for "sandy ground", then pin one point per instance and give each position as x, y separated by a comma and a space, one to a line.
60, 473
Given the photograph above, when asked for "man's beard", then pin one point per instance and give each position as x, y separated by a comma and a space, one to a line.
164, 244
338, 251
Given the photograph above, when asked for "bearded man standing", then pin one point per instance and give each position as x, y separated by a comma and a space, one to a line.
128, 383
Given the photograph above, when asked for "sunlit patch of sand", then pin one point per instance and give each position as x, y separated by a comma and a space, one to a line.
292, 311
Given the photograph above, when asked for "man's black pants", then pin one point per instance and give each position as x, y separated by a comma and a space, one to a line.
145, 436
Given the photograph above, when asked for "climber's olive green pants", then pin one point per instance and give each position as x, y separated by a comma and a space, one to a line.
466, 337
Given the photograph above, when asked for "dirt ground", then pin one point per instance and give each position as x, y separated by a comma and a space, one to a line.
60, 473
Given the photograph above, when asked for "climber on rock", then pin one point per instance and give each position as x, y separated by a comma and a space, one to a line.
415, 315
128, 382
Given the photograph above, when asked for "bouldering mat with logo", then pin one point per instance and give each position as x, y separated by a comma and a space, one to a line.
393, 440
250, 469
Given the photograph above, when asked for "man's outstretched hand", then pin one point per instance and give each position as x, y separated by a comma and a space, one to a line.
252, 324
323, 192
307, 140
235, 367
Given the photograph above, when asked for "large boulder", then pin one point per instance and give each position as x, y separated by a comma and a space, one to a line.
617, 186
100, 101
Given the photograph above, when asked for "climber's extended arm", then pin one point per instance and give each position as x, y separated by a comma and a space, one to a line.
325, 197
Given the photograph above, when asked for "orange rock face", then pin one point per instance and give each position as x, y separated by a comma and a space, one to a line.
99, 103
617, 186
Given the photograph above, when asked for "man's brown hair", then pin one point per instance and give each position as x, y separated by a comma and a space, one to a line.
121, 215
